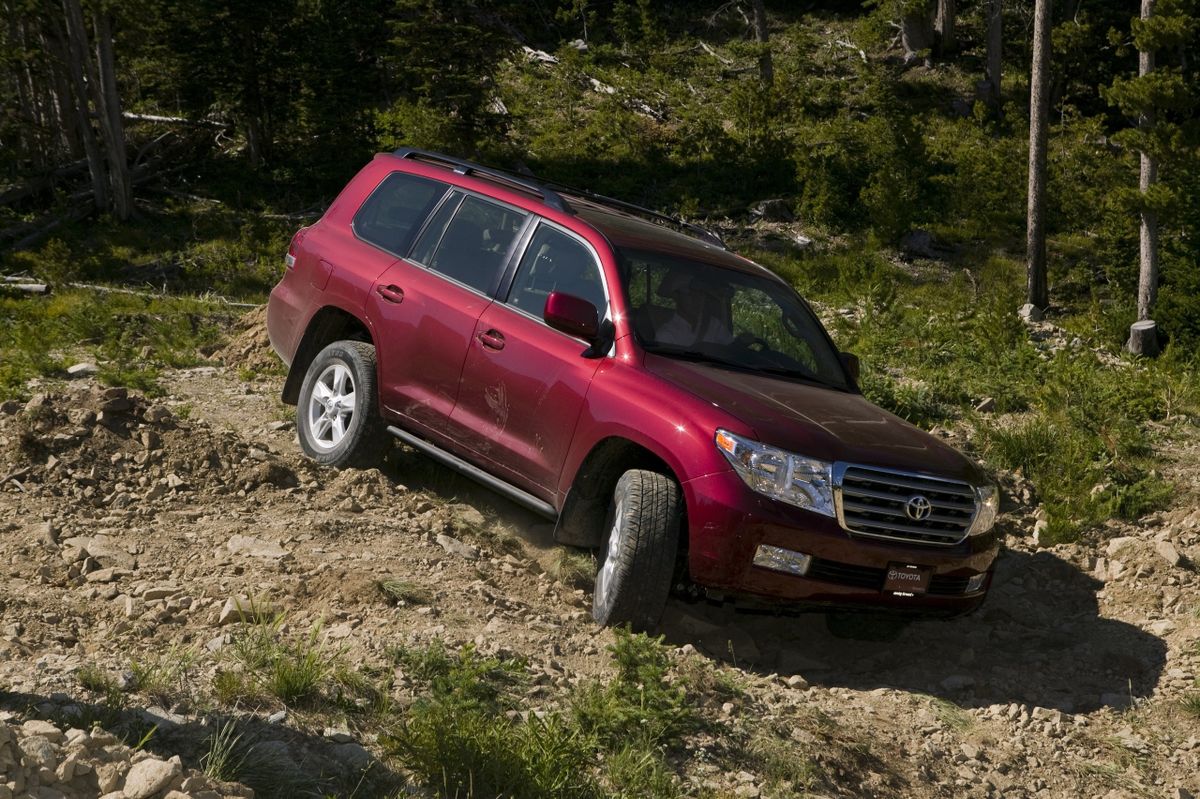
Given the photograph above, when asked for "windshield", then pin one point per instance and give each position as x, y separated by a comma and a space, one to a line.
687, 309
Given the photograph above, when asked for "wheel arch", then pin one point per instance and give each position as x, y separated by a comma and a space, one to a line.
327, 325
581, 521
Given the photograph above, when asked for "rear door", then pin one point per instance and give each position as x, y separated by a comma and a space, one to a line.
524, 383
425, 306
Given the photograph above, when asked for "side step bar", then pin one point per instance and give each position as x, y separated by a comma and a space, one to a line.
456, 463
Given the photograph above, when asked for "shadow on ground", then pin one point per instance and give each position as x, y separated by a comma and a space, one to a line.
1038, 640
276, 761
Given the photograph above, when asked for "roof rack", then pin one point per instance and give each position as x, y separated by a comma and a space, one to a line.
710, 236
548, 195
550, 191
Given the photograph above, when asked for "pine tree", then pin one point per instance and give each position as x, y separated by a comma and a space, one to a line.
1161, 100
1037, 293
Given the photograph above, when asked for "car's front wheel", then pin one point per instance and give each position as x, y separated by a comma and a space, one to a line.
337, 417
635, 573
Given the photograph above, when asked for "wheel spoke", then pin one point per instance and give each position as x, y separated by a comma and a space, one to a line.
321, 391
321, 428
341, 376
347, 400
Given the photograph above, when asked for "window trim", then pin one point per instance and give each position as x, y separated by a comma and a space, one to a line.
425, 221
497, 281
510, 277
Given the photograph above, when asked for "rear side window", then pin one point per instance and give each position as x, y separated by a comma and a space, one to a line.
393, 214
473, 245
554, 261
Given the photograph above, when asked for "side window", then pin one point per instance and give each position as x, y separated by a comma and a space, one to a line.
394, 212
474, 244
554, 261
432, 237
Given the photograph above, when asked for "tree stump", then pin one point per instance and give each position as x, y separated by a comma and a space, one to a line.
1143, 338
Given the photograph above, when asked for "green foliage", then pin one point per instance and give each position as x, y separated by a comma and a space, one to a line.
463, 735
640, 701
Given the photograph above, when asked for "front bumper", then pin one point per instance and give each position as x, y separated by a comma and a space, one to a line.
727, 522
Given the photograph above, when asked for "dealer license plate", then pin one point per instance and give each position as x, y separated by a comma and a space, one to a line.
905, 578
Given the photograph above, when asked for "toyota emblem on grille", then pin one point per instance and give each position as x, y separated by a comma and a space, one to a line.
918, 508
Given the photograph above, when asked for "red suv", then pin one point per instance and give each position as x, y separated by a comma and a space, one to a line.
674, 405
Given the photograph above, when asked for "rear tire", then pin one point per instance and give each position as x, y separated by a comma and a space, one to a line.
337, 417
635, 573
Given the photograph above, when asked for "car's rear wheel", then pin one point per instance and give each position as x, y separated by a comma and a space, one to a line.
635, 572
337, 417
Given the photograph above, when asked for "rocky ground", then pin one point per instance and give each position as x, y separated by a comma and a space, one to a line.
138, 537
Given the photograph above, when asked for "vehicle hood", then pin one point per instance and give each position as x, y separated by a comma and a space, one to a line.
817, 422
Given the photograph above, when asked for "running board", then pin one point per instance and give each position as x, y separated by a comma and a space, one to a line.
520, 496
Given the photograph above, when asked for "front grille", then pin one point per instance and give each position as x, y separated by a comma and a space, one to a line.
873, 502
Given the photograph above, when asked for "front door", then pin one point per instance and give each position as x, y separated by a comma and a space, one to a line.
524, 383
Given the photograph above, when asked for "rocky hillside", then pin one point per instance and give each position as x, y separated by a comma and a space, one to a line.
188, 608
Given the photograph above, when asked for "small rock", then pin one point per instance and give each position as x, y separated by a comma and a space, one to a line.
1030, 313
797, 682
256, 547
456, 547
243, 609
39, 752
84, 369
43, 728
986, 405
338, 735
773, 210
1167, 551
354, 756
148, 777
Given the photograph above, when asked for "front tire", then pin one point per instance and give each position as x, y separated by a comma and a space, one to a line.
635, 574
337, 416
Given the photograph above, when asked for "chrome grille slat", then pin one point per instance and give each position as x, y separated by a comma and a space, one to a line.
969, 507
859, 507
872, 502
932, 486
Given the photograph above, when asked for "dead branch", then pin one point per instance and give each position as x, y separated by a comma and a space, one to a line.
708, 49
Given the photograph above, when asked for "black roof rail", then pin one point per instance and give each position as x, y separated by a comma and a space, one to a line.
550, 191
548, 195
710, 236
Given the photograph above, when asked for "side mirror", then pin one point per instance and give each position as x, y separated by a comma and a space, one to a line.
851, 364
572, 315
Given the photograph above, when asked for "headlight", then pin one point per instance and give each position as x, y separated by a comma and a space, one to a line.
987, 499
794, 479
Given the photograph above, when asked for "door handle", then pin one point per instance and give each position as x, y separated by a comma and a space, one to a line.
492, 339
391, 293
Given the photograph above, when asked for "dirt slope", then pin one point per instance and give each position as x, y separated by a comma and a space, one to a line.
127, 527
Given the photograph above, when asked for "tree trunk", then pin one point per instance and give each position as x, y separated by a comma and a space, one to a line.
57, 70
1148, 251
916, 35
1035, 249
995, 46
944, 26
766, 67
77, 53
111, 126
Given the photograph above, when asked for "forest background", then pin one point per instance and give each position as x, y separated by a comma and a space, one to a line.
874, 154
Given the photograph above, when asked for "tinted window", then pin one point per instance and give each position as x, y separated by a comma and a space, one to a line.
692, 310
393, 213
555, 261
423, 252
475, 242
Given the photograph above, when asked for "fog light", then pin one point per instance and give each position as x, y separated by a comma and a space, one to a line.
976, 583
782, 560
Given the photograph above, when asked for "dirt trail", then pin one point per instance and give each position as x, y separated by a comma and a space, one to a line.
126, 527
